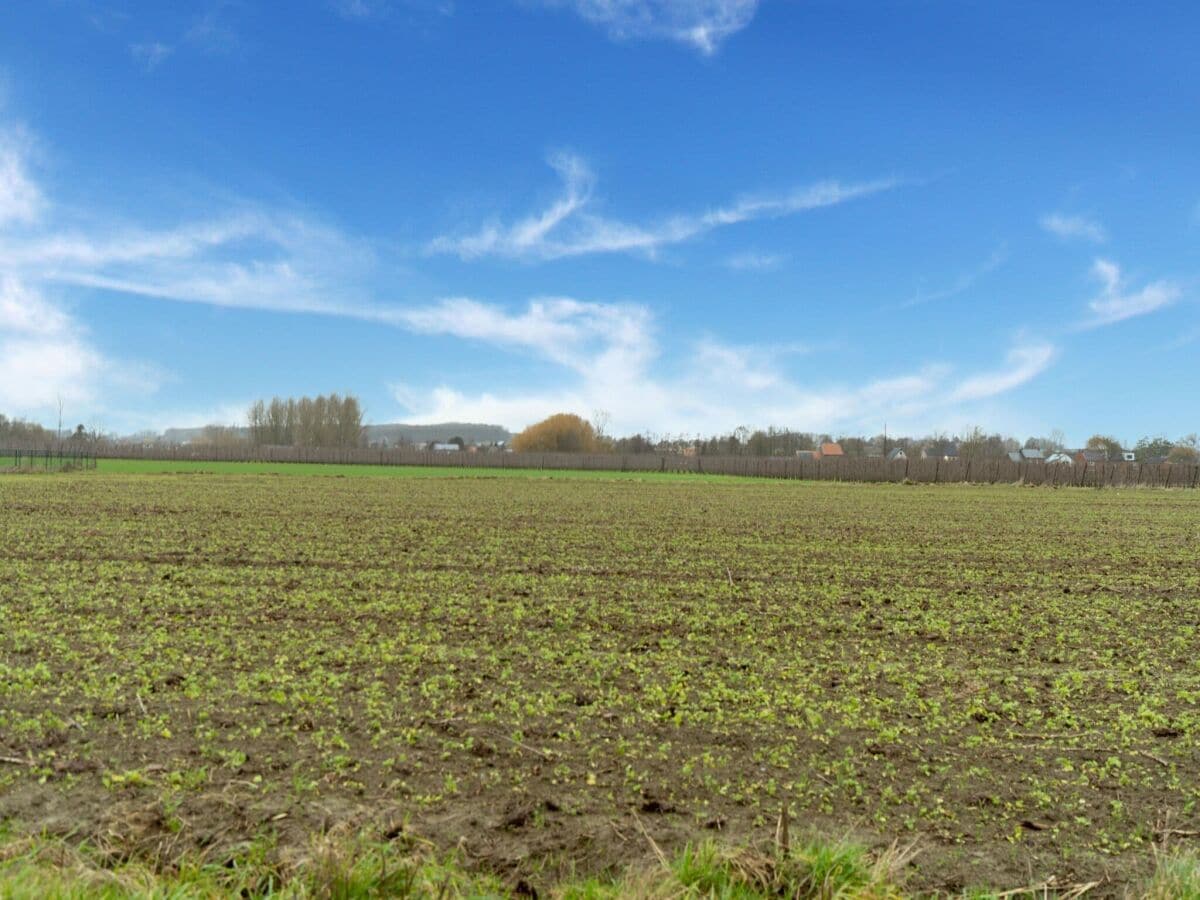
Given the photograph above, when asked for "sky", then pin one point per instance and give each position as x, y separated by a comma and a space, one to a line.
683, 216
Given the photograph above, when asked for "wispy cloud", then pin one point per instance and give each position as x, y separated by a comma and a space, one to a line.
607, 355
1074, 227
585, 337
213, 31
359, 9
1117, 302
20, 198
960, 285
567, 228
150, 55
1184, 340
752, 261
252, 259
1023, 363
701, 24
371, 10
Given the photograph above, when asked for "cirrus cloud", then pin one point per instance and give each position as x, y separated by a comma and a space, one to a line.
1074, 227
568, 228
1117, 302
701, 24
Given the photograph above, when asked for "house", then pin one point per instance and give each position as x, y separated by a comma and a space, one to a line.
1028, 454
807, 454
444, 448
896, 453
946, 450
1128, 456
830, 448
1091, 456
1060, 458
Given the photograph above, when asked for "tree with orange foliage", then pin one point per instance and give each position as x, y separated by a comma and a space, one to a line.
561, 433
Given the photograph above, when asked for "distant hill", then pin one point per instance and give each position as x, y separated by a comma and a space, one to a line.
472, 433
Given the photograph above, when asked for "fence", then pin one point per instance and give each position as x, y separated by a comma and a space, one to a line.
922, 471
46, 460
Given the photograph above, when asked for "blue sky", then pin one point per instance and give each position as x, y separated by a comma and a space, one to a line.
691, 214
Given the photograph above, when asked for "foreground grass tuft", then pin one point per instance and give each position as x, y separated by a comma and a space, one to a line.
341, 868
348, 869
817, 870
1177, 878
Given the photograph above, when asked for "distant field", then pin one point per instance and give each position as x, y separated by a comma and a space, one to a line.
159, 466
540, 671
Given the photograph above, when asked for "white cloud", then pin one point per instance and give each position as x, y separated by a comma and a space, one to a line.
585, 337
252, 259
45, 353
567, 228
702, 24
20, 199
751, 261
1024, 363
24, 312
612, 361
45, 356
1069, 227
1117, 303
151, 54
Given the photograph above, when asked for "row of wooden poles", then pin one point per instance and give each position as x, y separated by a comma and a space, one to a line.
46, 458
924, 471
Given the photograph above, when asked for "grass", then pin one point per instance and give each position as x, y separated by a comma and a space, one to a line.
1177, 877
536, 674
335, 470
346, 868
333, 866
337, 867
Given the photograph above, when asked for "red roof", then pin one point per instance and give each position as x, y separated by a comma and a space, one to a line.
832, 449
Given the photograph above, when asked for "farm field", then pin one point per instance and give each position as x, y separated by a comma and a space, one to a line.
352, 470
552, 677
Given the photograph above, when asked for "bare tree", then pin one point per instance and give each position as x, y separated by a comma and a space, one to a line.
321, 421
600, 421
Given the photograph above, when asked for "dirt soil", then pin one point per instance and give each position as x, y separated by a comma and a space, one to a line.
542, 675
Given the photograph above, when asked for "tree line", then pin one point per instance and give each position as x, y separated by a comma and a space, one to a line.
336, 421
568, 433
17, 432
321, 421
